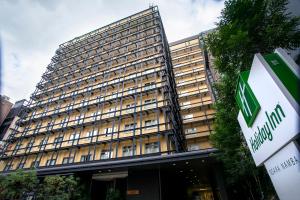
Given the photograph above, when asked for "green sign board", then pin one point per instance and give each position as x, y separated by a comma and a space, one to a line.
246, 100
285, 74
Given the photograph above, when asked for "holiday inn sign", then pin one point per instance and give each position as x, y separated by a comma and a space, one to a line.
250, 107
268, 105
268, 97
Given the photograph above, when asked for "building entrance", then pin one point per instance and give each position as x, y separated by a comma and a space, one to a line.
109, 186
195, 179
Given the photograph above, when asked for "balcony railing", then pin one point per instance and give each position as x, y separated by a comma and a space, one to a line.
104, 75
86, 120
97, 100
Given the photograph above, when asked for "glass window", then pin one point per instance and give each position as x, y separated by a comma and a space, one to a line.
64, 122
95, 116
188, 117
67, 160
90, 135
85, 158
50, 162
21, 165
193, 147
149, 86
25, 129
30, 145
8, 167
43, 143
70, 106
111, 112
183, 93
74, 92
190, 130
100, 99
152, 147
108, 131
74, 138
37, 128
45, 111
88, 88
114, 95
150, 103
105, 154
18, 146
131, 90
57, 141
79, 119
35, 164
186, 104
150, 124
129, 126
149, 71
84, 102
130, 107
127, 151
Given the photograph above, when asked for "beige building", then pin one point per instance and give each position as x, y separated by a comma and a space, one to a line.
194, 91
105, 95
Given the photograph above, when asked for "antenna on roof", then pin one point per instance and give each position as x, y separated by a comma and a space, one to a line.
151, 5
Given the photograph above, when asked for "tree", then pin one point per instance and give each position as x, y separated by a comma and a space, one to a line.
60, 188
17, 184
246, 27
21, 184
113, 194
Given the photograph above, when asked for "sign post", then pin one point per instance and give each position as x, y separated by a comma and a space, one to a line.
268, 97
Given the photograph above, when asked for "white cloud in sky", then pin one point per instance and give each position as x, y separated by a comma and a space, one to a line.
32, 30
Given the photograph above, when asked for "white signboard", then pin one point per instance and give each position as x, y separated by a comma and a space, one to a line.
277, 122
284, 171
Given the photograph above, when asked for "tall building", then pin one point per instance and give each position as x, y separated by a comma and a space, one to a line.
194, 91
112, 109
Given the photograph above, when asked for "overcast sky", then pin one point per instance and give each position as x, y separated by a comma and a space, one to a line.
31, 30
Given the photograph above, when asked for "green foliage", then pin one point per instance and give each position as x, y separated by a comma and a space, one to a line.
113, 194
16, 185
59, 188
246, 27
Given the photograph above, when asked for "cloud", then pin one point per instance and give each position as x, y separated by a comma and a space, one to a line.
32, 30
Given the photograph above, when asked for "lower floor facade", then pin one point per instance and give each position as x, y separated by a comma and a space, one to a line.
191, 175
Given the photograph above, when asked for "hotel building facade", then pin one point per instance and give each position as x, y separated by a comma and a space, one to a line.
121, 105
195, 96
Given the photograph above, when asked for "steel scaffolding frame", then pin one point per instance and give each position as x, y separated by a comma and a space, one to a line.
163, 114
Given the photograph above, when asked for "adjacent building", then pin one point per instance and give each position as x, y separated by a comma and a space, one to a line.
194, 91
115, 109
9, 123
5, 106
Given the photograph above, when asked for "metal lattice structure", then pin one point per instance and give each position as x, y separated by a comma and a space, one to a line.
109, 94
